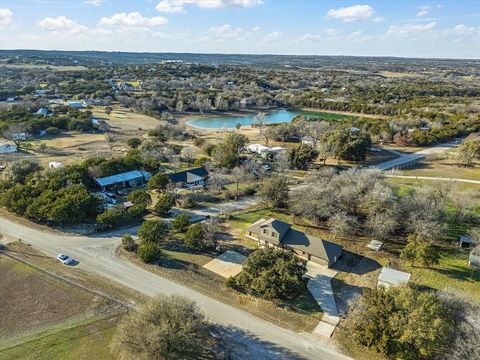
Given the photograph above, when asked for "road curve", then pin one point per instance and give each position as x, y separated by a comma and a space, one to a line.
265, 340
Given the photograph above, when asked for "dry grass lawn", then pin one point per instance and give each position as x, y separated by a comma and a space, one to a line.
32, 300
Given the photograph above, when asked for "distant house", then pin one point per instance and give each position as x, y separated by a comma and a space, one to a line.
127, 180
263, 150
19, 136
257, 149
308, 140
190, 178
10, 99
391, 277
474, 258
55, 165
278, 234
95, 121
466, 241
76, 104
42, 112
6, 148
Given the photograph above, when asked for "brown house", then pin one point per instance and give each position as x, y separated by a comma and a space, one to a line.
279, 234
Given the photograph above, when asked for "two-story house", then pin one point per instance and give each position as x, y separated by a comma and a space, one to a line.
279, 234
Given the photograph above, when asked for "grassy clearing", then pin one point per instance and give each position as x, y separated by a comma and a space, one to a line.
86, 340
121, 119
452, 273
446, 168
41, 300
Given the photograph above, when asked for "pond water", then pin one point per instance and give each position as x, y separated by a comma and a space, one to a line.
229, 122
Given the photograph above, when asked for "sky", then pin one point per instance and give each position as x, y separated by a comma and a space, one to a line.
405, 28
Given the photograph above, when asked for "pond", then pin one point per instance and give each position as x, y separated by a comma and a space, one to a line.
274, 117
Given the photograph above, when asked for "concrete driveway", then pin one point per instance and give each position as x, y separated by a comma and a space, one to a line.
320, 287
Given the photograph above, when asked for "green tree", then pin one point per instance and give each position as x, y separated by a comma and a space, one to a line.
194, 238
302, 156
153, 231
469, 150
420, 250
164, 204
17, 171
181, 222
139, 196
274, 191
128, 243
112, 217
349, 145
165, 328
227, 153
149, 252
159, 181
134, 142
273, 274
401, 323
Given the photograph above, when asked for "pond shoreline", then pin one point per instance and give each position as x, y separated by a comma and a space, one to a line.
187, 119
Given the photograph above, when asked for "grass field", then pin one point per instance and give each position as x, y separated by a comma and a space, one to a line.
84, 341
41, 300
445, 167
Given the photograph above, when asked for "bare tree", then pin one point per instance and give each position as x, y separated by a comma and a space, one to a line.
16, 133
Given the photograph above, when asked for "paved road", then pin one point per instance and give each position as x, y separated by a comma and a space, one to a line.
434, 178
96, 253
408, 158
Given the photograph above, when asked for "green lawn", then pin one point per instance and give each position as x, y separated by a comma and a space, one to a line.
86, 340
452, 273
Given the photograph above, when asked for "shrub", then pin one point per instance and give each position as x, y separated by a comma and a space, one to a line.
128, 243
198, 142
139, 196
273, 274
159, 181
52, 130
112, 217
164, 204
153, 231
137, 210
194, 237
164, 328
134, 142
149, 252
181, 222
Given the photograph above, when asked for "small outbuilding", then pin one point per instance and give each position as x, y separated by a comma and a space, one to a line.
6, 148
474, 258
465, 241
391, 277
55, 165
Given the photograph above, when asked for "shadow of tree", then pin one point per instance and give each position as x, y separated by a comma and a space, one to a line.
355, 263
241, 344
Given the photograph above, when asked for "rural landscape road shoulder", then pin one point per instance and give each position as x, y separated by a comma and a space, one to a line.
264, 339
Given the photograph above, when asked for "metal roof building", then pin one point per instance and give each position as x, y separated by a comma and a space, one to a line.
124, 180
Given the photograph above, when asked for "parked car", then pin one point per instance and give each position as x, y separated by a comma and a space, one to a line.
65, 259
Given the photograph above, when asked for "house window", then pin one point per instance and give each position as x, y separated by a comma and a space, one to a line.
265, 231
273, 234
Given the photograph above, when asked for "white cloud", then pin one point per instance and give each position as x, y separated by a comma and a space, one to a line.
5, 16
225, 32
133, 19
409, 29
378, 19
274, 36
463, 30
59, 23
178, 6
423, 11
256, 28
93, 2
352, 13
